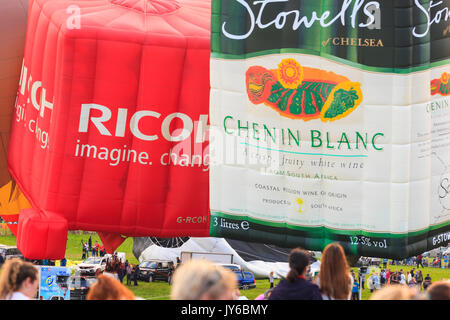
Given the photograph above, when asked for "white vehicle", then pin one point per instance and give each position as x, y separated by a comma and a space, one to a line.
91, 264
231, 266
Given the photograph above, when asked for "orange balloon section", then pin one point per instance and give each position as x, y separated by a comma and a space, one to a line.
110, 125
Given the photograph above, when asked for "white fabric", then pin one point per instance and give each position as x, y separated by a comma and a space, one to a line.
17, 296
261, 269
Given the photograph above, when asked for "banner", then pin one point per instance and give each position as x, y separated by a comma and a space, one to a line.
54, 283
330, 122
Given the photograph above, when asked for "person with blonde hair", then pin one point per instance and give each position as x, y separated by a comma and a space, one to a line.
108, 288
19, 280
200, 279
397, 292
335, 279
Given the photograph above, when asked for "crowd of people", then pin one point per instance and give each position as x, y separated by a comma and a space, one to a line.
95, 250
203, 280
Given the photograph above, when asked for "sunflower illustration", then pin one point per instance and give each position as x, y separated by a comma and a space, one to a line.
290, 73
444, 78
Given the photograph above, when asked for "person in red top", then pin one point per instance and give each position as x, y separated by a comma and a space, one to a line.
102, 251
96, 247
388, 276
419, 261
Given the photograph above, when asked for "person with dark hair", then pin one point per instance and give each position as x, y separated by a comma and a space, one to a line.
271, 279
129, 273
295, 286
419, 279
355, 290
135, 274
19, 280
110, 270
427, 282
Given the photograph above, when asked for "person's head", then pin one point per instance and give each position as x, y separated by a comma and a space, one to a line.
334, 275
108, 288
18, 276
109, 267
267, 293
396, 292
439, 290
199, 279
298, 264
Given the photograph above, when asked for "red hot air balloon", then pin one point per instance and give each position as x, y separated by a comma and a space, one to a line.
110, 133
13, 22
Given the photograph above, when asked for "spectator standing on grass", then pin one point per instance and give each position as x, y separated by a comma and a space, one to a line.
363, 281
202, 280
355, 290
388, 276
121, 272
19, 280
402, 277
96, 247
295, 286
419, 279
419, 261
135, 274
2, 260
129, 274
335, 279
372, 282
427, 282
382, 278
271, 279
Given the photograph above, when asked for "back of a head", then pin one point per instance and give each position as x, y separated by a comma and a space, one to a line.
439, 290
298, 262
334, 272
396, 292
108, 288
202, 280
14, 272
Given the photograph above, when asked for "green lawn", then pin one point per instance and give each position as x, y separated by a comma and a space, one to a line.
161, 290
436, 274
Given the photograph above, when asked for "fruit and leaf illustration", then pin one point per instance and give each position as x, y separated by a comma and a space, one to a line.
441, 85
299, 92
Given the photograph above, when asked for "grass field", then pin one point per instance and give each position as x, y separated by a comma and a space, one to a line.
161, 290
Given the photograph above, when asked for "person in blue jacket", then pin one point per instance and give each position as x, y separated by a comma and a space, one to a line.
355, 290
295, 286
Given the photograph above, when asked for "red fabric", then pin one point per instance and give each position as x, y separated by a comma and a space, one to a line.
12, 219
111, 240
134, 55
42, 235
